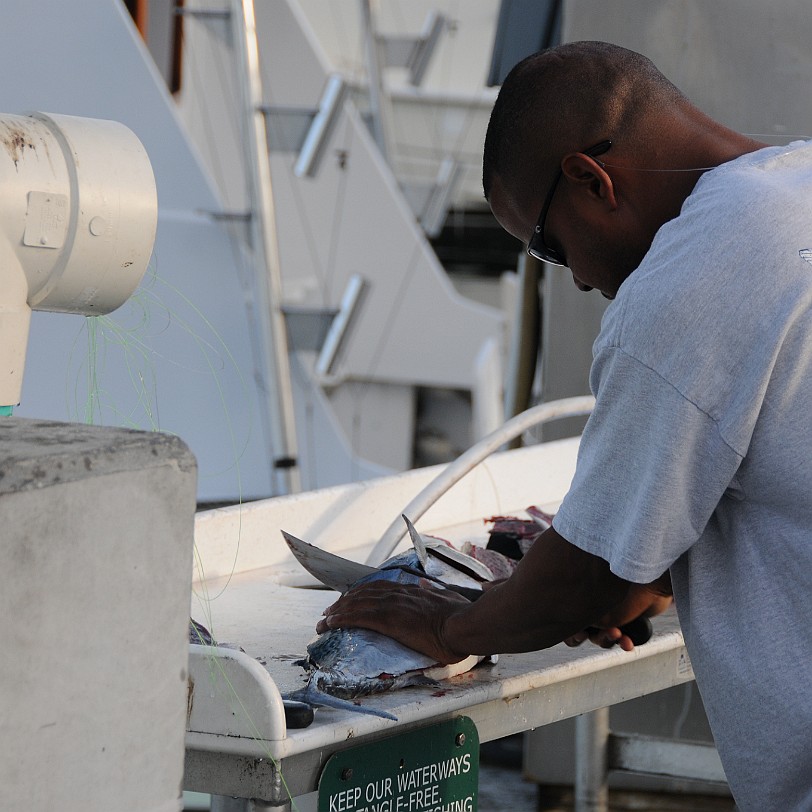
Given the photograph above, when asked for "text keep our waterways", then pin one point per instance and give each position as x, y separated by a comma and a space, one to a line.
416, 790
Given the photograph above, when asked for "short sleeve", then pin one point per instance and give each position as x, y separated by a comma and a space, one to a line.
652, 467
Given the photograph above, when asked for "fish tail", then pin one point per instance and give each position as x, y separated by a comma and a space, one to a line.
313, 696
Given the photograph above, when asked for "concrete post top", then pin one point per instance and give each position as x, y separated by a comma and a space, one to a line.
40, 453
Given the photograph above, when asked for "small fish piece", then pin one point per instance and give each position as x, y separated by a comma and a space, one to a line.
199, 634
502, 566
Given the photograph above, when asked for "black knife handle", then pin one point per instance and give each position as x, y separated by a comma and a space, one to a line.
639, 630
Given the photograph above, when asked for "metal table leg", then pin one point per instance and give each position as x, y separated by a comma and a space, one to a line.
591, 761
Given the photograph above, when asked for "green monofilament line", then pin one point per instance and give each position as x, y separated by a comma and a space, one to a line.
5, 411
132, 341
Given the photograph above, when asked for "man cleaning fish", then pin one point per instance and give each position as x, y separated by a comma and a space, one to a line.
694, 474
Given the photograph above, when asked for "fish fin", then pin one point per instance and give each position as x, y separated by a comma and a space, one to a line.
417, 541
313, 696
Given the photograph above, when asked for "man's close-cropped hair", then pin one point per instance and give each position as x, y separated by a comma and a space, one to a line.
564, 99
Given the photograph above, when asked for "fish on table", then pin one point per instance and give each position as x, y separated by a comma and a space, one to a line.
345, 664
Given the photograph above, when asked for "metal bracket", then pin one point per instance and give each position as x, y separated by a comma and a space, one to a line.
599, 752
321, 127
203, 13
287, 127
341, 323
697, 761
414, 52
303, 129
435, 211
308, 327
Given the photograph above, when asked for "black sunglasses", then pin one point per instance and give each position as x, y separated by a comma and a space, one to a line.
536, 247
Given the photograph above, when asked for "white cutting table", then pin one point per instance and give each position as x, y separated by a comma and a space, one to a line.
252, 594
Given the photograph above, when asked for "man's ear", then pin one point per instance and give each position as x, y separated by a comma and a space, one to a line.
587, 174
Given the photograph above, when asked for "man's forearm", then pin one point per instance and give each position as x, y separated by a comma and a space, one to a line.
556, 591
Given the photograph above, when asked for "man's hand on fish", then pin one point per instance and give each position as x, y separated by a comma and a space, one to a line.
413, 614
556, 592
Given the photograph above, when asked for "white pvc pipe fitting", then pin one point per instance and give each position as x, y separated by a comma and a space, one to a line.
78, 214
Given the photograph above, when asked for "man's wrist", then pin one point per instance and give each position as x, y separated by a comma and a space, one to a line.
452, 634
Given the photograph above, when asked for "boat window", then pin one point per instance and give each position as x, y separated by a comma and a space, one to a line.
161, 27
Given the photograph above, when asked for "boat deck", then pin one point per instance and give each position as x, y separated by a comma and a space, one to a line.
256, 598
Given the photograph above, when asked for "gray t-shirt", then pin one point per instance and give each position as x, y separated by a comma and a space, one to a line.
698, 457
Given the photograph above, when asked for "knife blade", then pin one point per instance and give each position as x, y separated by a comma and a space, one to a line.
417, 542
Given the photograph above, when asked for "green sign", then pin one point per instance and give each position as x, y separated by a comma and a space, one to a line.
434, 769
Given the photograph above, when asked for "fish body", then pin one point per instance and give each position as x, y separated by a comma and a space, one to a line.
344, 664
350, 663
